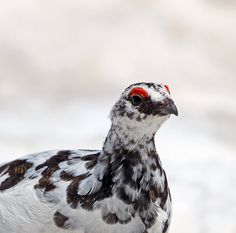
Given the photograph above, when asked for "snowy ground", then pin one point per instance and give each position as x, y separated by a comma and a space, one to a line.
64, 63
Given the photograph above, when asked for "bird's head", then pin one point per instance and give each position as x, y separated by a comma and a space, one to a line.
143, 108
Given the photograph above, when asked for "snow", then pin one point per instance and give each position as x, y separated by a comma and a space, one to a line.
64, 63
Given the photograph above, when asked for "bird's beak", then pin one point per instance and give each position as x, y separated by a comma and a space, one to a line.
169, 107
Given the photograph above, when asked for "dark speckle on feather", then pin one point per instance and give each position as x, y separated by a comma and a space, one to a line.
60, 220
50, 166
16, 171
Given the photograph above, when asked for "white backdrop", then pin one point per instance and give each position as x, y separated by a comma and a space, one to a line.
64, 63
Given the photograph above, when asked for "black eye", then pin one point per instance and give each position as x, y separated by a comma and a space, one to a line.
136, 100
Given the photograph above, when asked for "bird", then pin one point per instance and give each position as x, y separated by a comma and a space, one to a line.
120, 188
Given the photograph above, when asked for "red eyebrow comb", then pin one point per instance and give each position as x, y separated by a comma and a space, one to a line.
139, 91
167, 88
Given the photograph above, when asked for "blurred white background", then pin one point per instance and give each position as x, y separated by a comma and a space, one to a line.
64, 63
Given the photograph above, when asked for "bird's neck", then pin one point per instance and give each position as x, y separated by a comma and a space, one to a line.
134, 165
128, 138
133, 177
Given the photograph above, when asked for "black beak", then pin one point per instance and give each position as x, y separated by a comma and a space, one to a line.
169, 107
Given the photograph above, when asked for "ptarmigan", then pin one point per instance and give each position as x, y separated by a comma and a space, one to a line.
121, 188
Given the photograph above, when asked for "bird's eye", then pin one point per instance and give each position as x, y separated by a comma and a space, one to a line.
136, 100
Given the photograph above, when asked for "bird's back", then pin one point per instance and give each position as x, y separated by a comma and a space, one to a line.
34, 187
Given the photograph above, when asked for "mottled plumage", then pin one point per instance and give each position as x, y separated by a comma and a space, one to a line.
121, 188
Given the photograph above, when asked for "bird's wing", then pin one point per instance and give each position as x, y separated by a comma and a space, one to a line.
64, 180
54, 175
